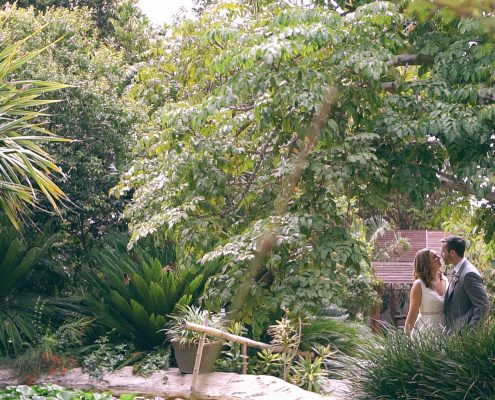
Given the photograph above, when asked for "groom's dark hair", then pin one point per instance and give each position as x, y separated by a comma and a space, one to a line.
455, 243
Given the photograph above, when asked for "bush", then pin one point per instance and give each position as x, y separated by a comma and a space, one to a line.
107, 357
448, 367
52, 351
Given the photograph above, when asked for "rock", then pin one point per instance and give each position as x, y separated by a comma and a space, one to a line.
173, 384
8, 376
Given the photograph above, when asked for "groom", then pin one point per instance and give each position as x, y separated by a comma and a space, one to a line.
466, 301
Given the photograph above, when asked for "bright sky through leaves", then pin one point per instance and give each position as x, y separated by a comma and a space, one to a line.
161, 11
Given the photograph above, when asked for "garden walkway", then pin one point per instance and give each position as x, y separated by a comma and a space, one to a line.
174, 385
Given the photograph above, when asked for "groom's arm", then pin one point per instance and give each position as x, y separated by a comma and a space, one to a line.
473, 284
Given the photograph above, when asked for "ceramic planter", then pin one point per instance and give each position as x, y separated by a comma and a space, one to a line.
185, 355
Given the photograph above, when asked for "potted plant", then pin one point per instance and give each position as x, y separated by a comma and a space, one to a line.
185, 342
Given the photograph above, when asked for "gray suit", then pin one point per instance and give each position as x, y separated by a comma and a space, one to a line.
466, 301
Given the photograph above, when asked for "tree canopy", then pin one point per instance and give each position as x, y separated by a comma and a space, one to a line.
237, 92
101, 11
92, 109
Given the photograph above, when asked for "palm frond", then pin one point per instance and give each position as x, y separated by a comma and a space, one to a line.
376, 227
26, 169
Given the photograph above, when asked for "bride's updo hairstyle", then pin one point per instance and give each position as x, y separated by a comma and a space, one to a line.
422, 268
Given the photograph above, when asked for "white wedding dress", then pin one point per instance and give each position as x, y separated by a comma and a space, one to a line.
431, 311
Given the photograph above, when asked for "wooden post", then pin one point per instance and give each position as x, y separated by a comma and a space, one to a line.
244, 358
199, 354
392, 305
375, 318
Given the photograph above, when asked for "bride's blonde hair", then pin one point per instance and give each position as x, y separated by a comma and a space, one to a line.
422, 267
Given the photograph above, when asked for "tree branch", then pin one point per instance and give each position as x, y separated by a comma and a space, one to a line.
405, 59
248, 107
240, 197
389, 86
410, 59
451, 182
242, 128
215, 42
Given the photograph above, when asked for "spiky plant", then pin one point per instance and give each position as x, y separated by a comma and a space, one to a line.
25, 166
308, 373
186, 313
134, 292
286, 333
376, 227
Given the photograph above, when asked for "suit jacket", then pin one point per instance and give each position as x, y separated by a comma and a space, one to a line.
466, 301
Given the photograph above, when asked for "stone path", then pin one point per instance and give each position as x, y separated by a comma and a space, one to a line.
173, 384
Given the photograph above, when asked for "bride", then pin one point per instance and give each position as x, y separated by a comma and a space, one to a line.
426, 310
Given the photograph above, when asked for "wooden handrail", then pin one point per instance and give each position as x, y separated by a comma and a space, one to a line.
230, 337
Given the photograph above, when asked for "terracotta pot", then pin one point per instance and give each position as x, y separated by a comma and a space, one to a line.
185, 355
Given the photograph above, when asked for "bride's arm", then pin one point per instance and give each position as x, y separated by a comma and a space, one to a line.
414, 302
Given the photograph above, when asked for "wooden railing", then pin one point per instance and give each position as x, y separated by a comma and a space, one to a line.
218, 333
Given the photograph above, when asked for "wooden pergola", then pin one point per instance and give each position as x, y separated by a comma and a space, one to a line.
396, 273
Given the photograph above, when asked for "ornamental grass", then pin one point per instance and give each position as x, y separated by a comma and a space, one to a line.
446, 367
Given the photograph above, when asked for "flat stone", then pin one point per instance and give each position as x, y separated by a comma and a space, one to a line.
173, 384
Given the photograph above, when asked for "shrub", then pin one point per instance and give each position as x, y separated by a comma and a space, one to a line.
158, 359
52, 350
107, 357
338, 333
446, 368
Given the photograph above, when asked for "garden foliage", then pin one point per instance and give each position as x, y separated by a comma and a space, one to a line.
93, 110
446, 367
53, 351
208, 120
100, 11
56, 392
185, 313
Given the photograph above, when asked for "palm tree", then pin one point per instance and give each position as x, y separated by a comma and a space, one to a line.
25, 167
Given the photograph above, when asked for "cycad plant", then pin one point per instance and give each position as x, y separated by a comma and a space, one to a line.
134, 292
25, 167
18, 307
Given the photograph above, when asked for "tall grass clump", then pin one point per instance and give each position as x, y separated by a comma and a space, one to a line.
340, 334
446, 367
